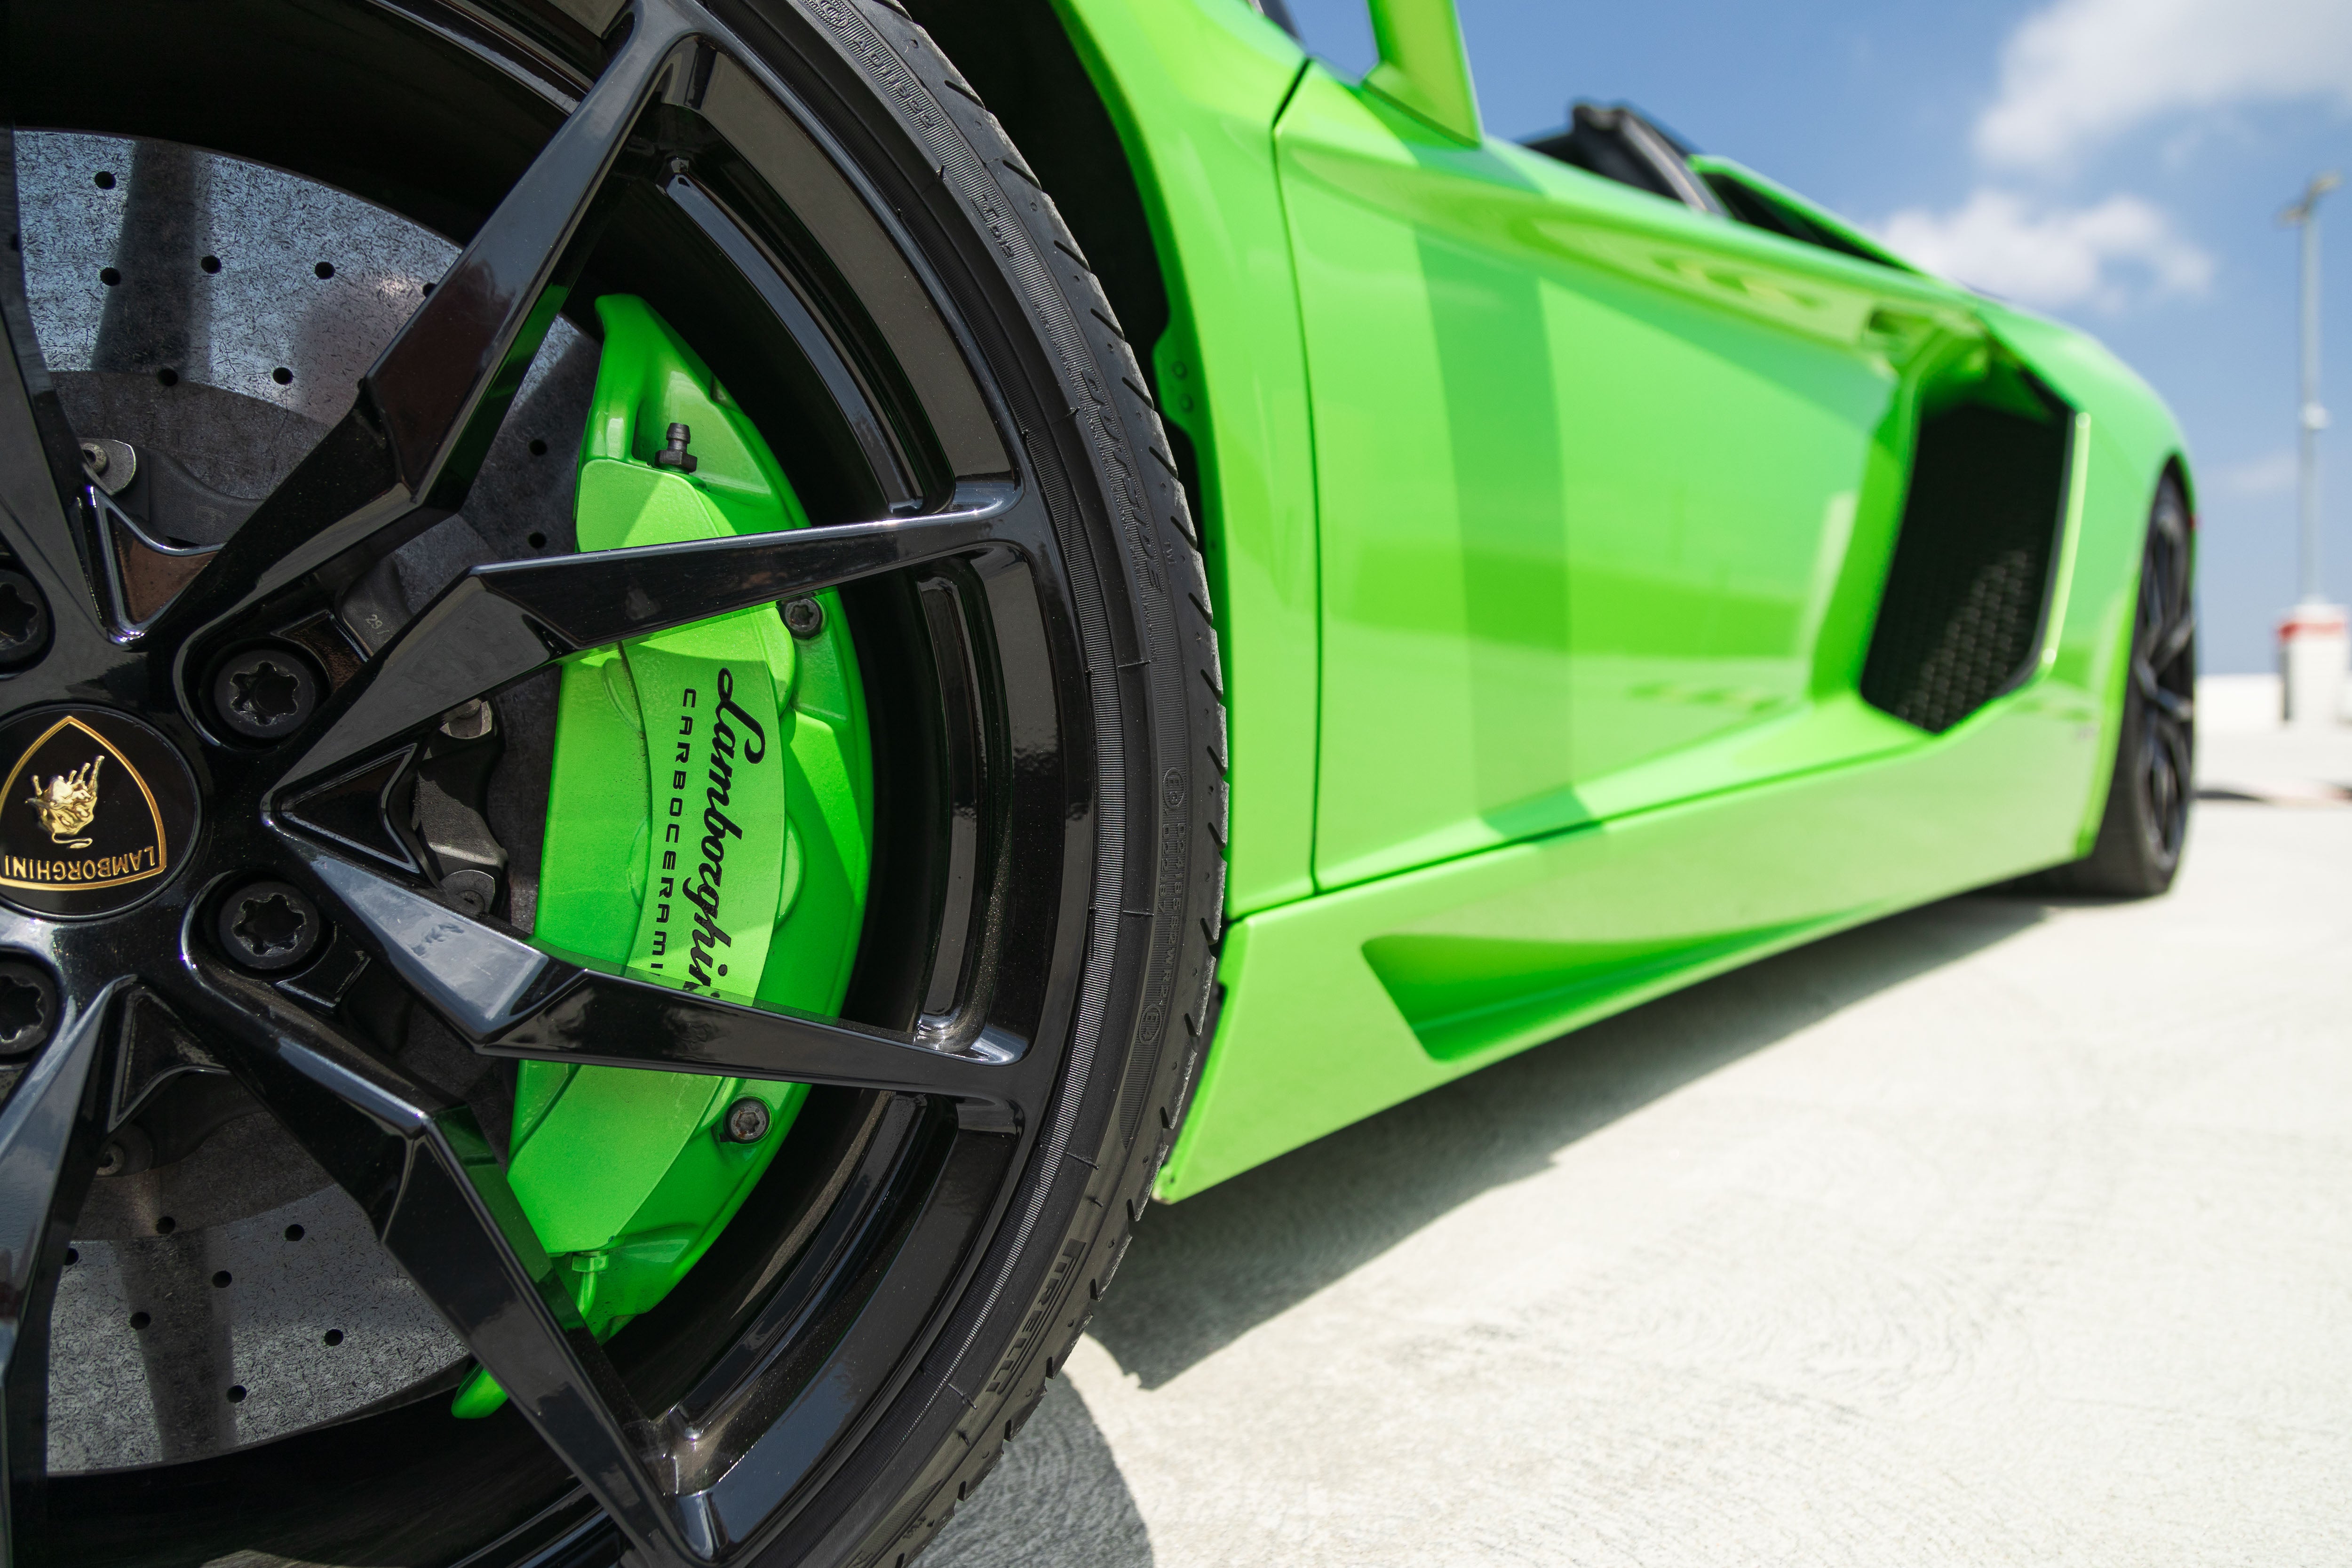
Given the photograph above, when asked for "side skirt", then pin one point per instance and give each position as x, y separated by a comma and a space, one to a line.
1342, 1006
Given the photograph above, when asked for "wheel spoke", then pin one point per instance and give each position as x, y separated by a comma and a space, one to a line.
40, 467
614, 1020
2165, 764
40, 1128
440, 1202
2166, 631
513, 1000
2168, 617
2173, 642
500, 623
461, 1233
443, 384
407, 453
2149, 681
39, 531
478, 977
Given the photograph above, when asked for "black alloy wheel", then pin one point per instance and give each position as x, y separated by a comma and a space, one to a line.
815, 200
2144, 826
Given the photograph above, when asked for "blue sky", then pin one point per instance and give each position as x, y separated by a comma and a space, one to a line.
2119, 164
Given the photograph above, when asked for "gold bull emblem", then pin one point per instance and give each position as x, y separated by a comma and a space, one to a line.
66, 803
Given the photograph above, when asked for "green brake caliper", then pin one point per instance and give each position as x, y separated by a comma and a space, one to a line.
709, 814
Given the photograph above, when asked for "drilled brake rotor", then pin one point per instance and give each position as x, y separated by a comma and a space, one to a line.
206, 321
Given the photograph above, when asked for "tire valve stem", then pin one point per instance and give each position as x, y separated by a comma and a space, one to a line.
675, 454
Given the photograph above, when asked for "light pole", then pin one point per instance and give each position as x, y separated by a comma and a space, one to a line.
2313, 648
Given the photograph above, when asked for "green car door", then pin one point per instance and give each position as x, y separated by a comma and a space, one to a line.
1607, 485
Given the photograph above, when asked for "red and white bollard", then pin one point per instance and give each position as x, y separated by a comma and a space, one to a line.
2313, 653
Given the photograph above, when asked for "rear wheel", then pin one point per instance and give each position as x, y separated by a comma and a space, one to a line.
277, 1139
2145, 826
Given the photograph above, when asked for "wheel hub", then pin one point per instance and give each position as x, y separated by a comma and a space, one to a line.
203, 320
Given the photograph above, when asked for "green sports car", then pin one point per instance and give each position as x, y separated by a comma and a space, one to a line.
691, 688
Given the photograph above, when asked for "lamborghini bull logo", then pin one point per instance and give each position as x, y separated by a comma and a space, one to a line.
56, 842
68, 803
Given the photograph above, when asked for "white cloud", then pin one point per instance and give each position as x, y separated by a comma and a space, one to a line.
2272, 474
2104, 256
2083, 70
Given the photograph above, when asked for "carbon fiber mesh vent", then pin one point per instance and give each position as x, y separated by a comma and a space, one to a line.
1962, 613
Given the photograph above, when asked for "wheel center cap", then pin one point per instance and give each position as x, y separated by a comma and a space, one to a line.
97, 811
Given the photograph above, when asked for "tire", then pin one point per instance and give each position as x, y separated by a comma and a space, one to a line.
985, 1237
2143, 828
1153, 579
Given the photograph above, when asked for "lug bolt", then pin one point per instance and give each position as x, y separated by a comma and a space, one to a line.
269, 926
28, 1006
127, 1154
265, 692
470, 890
109, 463
469, 720
24, 619
675, 454
804, 617
746, 1121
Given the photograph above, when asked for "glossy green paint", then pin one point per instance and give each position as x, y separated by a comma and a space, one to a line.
1780, 195
1603, 497
1342, 1006
1194, 87
1603, 482
1423, 68
731, 729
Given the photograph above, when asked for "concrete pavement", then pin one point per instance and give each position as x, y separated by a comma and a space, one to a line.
2000, 1232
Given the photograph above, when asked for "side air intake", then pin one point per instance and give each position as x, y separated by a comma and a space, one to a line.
1960, 622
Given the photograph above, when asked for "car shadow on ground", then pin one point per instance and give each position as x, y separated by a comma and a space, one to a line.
1203, 1272
1056, 1499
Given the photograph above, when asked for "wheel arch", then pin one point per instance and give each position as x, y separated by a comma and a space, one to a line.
1150, 125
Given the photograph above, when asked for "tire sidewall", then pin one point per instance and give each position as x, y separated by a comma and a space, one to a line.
1093, 443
